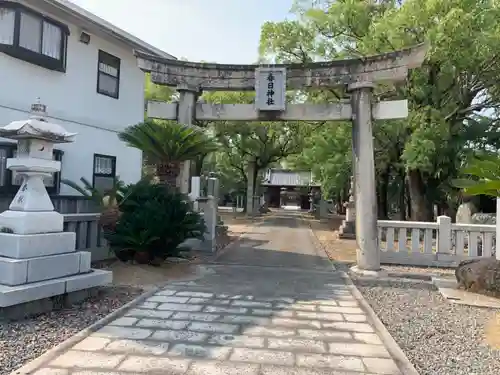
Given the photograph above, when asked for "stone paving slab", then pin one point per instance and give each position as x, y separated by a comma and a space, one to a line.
202, 342
241, 320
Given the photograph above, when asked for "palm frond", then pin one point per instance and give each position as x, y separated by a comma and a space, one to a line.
166, 142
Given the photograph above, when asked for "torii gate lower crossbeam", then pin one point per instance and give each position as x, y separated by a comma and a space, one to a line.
359, 76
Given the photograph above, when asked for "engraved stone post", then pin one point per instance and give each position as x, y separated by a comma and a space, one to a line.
368, 256
348, 227
195, 191
213, 190
208, 208
186, 115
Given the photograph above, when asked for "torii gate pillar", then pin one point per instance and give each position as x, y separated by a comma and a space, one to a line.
188, 95
368, 254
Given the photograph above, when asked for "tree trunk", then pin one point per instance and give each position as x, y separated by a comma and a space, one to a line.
167, 174
420, 208
254, 181
339, 203
383, 191
109, 218
402, 195
407, 199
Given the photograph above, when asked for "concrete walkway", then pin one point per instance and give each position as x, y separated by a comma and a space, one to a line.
271, 306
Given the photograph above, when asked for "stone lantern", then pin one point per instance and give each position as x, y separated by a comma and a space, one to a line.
31, 211
38, 260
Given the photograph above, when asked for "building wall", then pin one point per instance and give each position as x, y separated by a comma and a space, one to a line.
73, 102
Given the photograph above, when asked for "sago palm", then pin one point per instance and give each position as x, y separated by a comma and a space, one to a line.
166, 145
108, 201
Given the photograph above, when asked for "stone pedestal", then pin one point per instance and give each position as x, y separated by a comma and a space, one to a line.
348, 228
37, 259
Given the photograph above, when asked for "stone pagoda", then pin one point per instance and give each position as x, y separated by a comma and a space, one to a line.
38, 259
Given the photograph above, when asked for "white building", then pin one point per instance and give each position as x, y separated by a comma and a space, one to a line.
84, 70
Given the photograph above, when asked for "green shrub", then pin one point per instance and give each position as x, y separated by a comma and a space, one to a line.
155, 221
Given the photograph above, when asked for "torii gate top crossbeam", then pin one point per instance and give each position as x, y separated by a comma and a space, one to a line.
391, 66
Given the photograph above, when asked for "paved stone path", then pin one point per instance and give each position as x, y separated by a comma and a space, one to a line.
273, 306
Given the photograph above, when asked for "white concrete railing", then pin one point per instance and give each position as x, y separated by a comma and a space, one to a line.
89, 235
439, 243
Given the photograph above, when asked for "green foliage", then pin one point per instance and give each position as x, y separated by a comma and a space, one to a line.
102, 199
481, 176
326, 153
157, 92
166, 142
155, 220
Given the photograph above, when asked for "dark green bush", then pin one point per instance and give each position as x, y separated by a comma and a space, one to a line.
155, 221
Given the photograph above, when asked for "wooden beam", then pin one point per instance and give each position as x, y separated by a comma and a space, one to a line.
396, 109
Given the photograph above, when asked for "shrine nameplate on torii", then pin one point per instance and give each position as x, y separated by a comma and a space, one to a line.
270, 89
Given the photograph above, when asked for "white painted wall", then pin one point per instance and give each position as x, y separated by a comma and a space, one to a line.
73, 102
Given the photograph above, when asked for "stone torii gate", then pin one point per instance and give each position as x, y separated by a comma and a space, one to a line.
270, 83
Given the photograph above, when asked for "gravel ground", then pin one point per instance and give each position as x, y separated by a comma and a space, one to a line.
443, 272
438, 337
22, 341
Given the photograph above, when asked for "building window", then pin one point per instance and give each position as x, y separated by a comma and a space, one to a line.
10, 181
108, 75
104, 172
32, 37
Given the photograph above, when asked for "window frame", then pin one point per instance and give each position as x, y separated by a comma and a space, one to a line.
101, 53
113, 167
10, 187
36, 58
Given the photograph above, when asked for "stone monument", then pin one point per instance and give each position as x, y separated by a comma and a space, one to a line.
38, 259
348, 228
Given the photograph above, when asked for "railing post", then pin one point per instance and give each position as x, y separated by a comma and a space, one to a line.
444, 244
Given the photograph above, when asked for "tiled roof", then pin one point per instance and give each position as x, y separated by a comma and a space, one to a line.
280, 177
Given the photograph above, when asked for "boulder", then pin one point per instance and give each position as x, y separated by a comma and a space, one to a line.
479, 276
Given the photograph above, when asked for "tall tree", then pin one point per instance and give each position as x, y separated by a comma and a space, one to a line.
458, 80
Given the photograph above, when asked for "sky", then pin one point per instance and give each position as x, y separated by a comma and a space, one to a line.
223, 31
